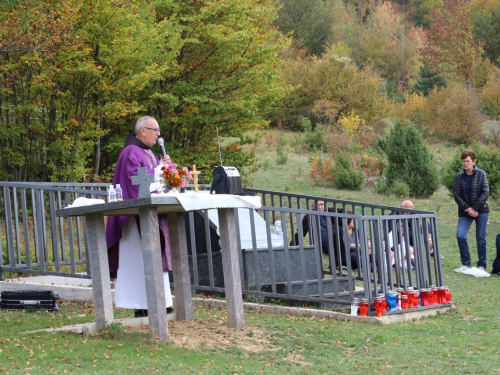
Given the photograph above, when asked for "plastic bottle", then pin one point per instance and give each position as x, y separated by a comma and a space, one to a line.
111, 194
119, 194
277, 228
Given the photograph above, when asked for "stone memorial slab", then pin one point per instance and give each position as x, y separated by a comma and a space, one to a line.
143, 179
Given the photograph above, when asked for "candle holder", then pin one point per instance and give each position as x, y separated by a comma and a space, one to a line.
404, 302
391, 298
363, 307
354, 306
379, 306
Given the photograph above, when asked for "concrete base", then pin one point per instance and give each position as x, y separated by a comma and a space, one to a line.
87, 329
80, 290
68, 288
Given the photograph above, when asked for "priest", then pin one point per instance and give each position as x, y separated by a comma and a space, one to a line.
123, 232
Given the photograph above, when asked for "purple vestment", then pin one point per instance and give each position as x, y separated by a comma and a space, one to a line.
135, 154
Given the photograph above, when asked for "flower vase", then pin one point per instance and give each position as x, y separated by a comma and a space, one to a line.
174, 190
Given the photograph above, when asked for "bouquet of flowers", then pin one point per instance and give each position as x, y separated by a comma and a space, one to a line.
175, 177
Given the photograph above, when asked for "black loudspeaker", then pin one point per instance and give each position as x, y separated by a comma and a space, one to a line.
226, 180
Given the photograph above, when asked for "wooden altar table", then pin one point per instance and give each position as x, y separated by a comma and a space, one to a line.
148, 209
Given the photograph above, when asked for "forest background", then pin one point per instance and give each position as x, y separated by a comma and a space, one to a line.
342, 75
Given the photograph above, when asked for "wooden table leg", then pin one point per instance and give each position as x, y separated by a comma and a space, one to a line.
99, 269
153, 271
231, 267
180, 266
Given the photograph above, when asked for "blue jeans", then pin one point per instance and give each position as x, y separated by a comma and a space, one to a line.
464, 223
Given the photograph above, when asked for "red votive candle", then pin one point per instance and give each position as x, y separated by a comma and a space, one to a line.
363, 307
416, 298
441, 295
447, 293
385, 305
409, 293
404, 301
424, 297
379, 306
434, 295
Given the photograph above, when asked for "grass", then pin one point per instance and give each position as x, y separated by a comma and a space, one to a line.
465, 340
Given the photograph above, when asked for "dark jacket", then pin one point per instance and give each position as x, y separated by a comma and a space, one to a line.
496, 262
480, 190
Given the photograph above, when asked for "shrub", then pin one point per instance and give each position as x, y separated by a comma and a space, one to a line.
346, 177
349, 179
371, 165
314, 140
282, 150
488, 160
322, 171
410, 161
398, 188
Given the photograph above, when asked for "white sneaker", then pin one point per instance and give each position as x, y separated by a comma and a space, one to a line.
461, 269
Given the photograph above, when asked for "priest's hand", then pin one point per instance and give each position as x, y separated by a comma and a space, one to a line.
166, 159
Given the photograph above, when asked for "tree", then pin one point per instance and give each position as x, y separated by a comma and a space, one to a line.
224, 75
418, 11
75, 76
309, 21
490, 94
451, 46
390, 47
455, 114
486, 20
329, 88
428, 81
70, 74
410, 161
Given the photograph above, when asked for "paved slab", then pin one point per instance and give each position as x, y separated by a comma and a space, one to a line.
80, 290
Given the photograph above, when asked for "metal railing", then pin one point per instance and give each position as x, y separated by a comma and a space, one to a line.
277, 262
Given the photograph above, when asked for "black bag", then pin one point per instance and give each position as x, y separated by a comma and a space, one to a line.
226, 180
25, 299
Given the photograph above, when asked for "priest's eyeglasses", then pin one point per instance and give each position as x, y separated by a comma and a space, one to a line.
157, 131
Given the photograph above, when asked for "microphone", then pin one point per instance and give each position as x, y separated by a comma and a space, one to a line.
161, 143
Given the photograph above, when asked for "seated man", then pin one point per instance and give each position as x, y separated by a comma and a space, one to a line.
409, 205
306, 220
353, 243
400, 247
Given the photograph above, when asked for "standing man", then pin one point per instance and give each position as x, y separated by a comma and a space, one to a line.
471, 193
123, 232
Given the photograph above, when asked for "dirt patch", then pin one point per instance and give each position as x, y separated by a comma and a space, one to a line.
198, 334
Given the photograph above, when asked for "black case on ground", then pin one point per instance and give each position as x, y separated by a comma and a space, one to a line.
26, 299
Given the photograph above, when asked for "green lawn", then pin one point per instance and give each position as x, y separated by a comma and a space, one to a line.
464, 341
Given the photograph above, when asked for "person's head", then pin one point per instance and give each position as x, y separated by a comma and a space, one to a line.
407, 204
321, 205
468, 160
350, 221
147, 130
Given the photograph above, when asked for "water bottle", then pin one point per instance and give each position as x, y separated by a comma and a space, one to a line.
119, 194
277, 228
111, 194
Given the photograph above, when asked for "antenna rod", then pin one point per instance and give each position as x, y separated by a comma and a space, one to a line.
218, 143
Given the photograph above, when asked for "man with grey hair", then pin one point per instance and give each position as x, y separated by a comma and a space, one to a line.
123, 232
408, 204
